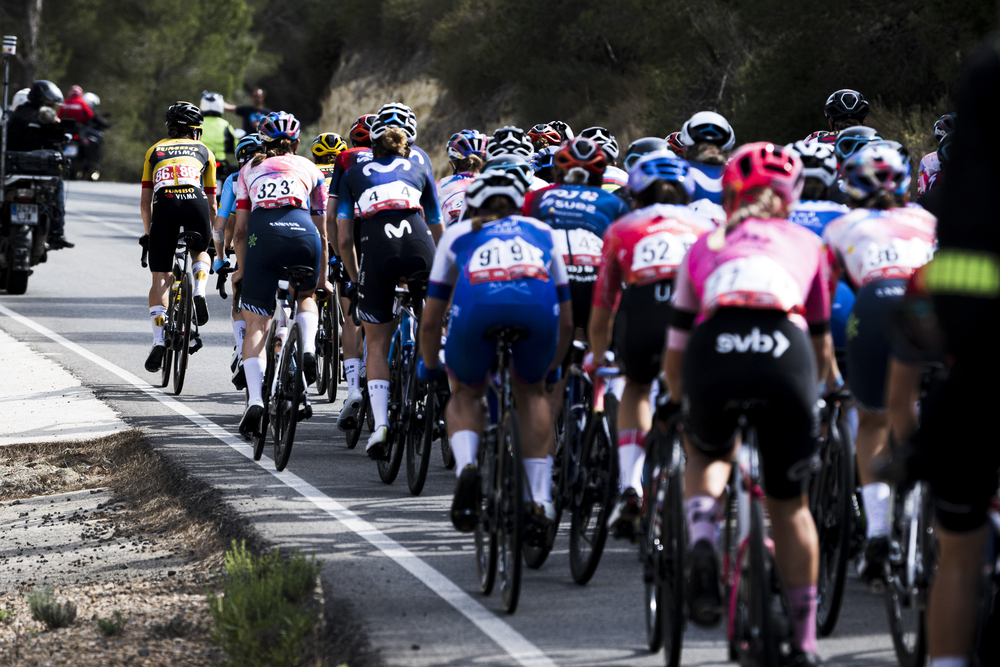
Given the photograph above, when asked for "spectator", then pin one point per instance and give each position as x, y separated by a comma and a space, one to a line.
251, 114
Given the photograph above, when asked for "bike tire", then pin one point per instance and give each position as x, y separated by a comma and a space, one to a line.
322, 348
288, 395
599, 488
260, 439
354, 434
834, 517
186, 321
511, 519
420, 437
909, 635
485, 533
333, 386
762, 646
673, 591
169, 317
444, 395
388, 468
652, 546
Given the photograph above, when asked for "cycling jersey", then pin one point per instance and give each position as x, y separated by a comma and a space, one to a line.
451, 194
930, 169
707, 181
283, 180
227, 200
871, 245
709, 209
815, 215
327, 171
432, 207
179, 163
219, 136
614, 178
389, 184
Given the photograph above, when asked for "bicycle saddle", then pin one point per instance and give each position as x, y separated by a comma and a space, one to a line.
507, 333
299, 274
187, 238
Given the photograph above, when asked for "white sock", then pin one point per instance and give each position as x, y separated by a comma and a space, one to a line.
637, 468
239, 331
876, 498
464, 445
308, 323
948, 661
378, 393
616, 386
628, 455
254, 370
200, 277
539, 480
156, 319
352, 369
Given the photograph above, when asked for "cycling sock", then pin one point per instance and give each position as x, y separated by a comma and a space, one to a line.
253, 368
616, 386
630, 453
949, 661
239, 331
378, 392
463, 446
852, 421
802, 602
640, 463
538, 480
156, 319
703, 519
352, 369
308, 323
200, 277
876, 498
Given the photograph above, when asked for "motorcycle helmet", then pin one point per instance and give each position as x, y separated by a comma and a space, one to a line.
92, 99
20, 97
212, 103
709, 127
641, 147
44, 92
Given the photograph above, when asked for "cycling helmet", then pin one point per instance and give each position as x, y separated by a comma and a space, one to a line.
660, 166
514, 164
92, 99
604, 139
509, 140
818, 160
395, 114
853, 139
248, 146
44, 92
328, 143
581, 153
846, 103
465, 143
894, 145
944, 125
212, 102
492, 183
279, 125
361, 131
762, 165
20, 97
564, 130
184, 114
545, 131
545, 158
944, 149
708, 127
822, 136
641, 147
876, 168
674, 143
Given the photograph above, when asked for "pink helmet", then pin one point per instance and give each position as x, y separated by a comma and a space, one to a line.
761, 165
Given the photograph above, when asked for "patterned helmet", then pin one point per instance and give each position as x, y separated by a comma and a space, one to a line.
846, 103
328, 143
184, 114
660, 166
564, 130
509, 140
822, 136
674, 143
279, 125
465, 143
641, 147
582, 153
853, 139
818, 160
604, 139
514, 164
876, 168
395, 114
545, 158
944, 125
708, 127
494, 182
545, 131
762, 165
247, 147
361, 131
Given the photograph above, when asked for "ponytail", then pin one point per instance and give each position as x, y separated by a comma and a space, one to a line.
763, 205
494, 208
393, 142
274, 149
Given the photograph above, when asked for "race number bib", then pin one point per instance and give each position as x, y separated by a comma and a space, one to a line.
752, 282
176, 174
578, 247
396, 195
657, 256
452, 206
278, 190
897, 258
503, 260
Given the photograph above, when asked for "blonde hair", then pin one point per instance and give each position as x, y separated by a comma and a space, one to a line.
765, 203
273, 149
393, 142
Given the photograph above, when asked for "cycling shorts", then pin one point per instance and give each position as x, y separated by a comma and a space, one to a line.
868, 343
173, 209
277, 238
640, 330
840, 310
743, 354
470, 354
393, 246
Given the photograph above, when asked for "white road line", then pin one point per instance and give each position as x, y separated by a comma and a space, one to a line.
506, 637
121, 229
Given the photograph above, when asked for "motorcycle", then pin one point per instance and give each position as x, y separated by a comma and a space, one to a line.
84, 149
31, 185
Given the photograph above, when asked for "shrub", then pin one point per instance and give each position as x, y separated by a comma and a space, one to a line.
113, 626
44, 608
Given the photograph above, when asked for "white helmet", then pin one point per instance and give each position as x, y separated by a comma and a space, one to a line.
494, 182
212, 102
20, 97
92, 99
710, 127
818, 160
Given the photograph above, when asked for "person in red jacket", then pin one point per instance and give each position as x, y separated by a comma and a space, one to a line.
76, 107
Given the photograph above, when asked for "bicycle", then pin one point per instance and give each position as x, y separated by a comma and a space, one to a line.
987, 638
331, 321
284, 391
180, 330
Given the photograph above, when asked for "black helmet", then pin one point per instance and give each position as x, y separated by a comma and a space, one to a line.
944, 149
641, 147
184, 114
846, 103
44, 92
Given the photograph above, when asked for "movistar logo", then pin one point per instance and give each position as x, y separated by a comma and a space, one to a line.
386, 168
394, 232
776, 343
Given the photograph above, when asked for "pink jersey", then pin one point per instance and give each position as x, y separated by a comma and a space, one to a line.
764, 264
875, 245
930, 169
644, 247
451, 194
285, 180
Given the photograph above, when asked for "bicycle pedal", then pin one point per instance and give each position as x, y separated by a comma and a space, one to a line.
306, 412
196, 344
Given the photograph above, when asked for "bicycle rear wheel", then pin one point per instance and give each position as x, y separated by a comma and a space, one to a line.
288, 396
443, 394
333, 385
169, 318
652, 545
758, 641
260, 438
182, 342
388, 468
510, 523
908, 578
834, 515
322, 347
486, 527
420, 435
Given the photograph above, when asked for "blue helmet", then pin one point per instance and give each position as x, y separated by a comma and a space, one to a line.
875, 168
279, 125
544, 158
853, 139
660, 166
248, 146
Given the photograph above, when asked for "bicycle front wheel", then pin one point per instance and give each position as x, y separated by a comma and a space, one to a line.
288, 394
420, 435
510, 520
182, 338
486, 527
323, 347
834, 515
388, 468
908, 578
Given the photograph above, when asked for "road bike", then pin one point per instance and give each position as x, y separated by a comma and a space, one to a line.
987, 651
331, 322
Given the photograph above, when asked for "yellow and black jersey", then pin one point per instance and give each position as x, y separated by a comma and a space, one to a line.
179, 163
327, 170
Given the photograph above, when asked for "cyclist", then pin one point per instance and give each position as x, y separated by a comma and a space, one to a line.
280, 222
757, 288
178, 190
564, 130
614, 178
877, 246
674, 144
707, 137
544, 135
641, 147
933, 199
642, 252
325, 149
850, 141
396, 242
497, 269
845, 108
466, 153
930, 165
509, 140
218, 134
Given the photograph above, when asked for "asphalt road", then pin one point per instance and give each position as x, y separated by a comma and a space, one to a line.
406, 576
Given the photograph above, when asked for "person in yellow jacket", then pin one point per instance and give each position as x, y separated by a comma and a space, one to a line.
218, 134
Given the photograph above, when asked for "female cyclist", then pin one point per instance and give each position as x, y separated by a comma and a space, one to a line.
280, 222
877, 246
325, 149
466, 152
499, 268
178, 190
391, 194
758, 289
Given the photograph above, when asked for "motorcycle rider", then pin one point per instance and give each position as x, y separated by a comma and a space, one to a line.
76, 107
34, 125
218, 135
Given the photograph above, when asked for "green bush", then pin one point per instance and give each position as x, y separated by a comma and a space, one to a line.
44, 608
113, 626
259, 619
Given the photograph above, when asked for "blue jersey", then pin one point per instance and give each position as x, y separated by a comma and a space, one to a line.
707, 181
227, 201
815, 215
389, 184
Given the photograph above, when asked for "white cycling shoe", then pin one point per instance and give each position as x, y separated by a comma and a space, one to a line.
378, 446
348, 419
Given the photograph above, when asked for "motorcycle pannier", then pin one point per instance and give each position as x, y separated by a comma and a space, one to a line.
41, 162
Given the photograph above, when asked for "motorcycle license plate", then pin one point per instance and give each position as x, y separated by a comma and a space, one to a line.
71, 150
24, 214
